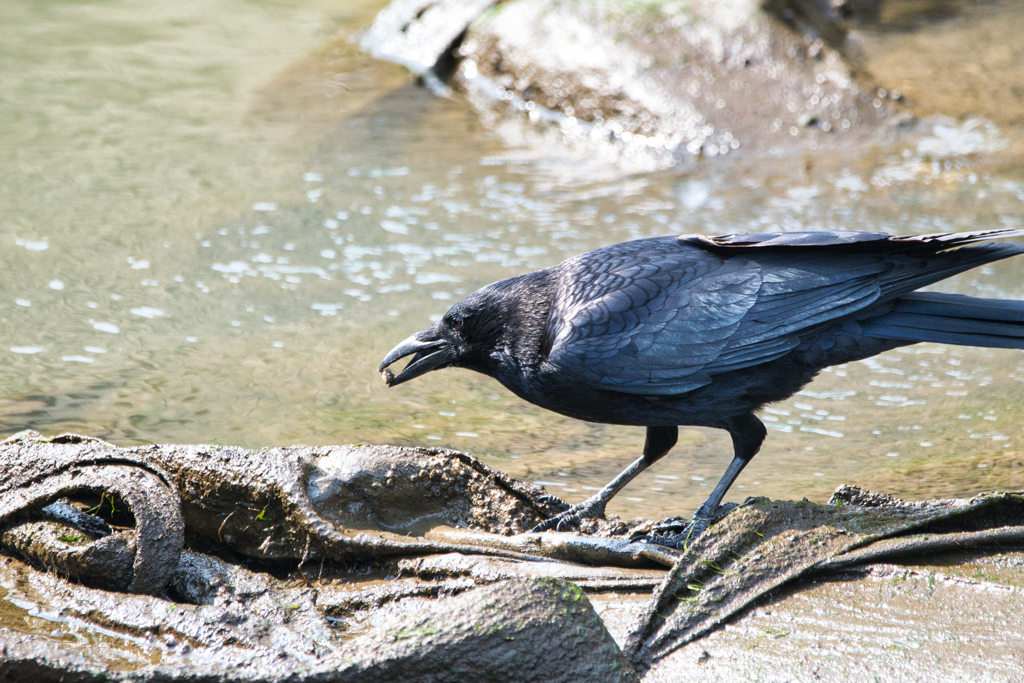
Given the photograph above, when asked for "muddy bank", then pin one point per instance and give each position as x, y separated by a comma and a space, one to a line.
374, 563
295, 562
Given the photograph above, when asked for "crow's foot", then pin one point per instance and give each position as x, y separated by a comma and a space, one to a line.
680, 541
553, 502
569, 520
678, 533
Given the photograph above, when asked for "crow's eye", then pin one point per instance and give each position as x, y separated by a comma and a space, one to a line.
456, 322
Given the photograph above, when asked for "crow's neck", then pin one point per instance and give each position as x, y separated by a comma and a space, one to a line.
523, 342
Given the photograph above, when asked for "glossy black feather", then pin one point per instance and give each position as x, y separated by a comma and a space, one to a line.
664, 316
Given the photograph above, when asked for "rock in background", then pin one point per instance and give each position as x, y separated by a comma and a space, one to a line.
647, 85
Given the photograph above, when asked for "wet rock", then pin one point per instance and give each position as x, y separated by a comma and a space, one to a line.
486, 569
672, 84
328, 598
957, 616
358, 502
383, 488
39, 471
338, 503
106, 562
768, 544
662, 84
829, 19
519, 630
260, 630
253, 627
421, 35
595, 550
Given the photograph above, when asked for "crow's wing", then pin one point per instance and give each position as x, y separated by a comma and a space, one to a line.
861, 242
663, 316
650, 325
818, 277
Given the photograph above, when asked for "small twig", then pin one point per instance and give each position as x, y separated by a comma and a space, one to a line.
302, 562
221, 527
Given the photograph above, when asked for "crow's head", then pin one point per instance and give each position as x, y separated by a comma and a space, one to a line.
471, 335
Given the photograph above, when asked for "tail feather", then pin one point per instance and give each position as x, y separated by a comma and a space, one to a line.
951, 319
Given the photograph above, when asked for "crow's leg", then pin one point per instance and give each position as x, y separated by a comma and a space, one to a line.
660, 441
747, 436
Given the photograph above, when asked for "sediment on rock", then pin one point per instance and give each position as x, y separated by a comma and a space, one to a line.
295, 567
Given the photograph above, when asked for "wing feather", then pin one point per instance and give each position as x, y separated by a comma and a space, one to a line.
664, 316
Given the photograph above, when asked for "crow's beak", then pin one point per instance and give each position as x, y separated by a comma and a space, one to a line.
430, 355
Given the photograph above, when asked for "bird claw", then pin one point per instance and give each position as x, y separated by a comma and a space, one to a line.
687, 533
679, 541
570, 519
553, 502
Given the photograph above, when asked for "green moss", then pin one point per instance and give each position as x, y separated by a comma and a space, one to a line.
575, 593
75, 539
769, 632
402, 634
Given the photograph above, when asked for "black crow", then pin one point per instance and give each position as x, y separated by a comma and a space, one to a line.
692, 330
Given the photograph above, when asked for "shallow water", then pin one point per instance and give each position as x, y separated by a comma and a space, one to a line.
218, 217
23, 612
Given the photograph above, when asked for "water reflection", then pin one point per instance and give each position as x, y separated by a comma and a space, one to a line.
243, 291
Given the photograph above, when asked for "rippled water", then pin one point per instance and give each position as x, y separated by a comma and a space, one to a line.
217, 217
